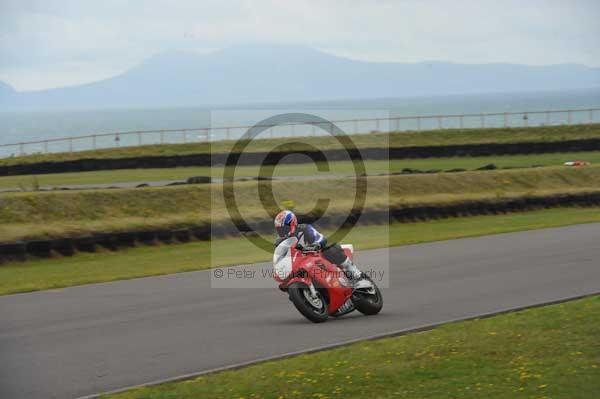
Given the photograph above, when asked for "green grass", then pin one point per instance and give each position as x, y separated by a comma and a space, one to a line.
40, 274
70, 213
335, 168
398, 139
545, 352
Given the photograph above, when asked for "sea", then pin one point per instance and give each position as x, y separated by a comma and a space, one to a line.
36, 125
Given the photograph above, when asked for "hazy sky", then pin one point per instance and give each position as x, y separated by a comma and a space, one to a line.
49, 43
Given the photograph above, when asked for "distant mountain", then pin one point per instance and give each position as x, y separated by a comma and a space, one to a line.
273, 73
6, 92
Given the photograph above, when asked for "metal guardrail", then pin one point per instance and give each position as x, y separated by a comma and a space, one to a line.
356, 126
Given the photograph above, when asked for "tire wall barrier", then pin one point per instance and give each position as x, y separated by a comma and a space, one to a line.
113, 241
273, 158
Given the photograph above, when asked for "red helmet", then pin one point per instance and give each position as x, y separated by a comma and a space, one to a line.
285, 223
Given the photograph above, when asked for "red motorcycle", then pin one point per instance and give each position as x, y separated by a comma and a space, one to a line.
318, 288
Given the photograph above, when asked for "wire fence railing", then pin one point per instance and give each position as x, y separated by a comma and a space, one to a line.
350, 126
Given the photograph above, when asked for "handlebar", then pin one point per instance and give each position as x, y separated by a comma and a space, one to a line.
309, 250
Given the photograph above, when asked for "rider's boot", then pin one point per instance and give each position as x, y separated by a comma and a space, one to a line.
352, 272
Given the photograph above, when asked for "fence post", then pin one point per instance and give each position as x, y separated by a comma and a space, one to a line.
547, 114
418, 123
162, 136
71, 144
94, 141
569, 117
21, 149
525, 120
439, 119
227, 134
505, 119
461, 123
139, 137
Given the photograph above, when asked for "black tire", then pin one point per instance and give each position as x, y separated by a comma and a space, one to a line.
296, 292
366, 303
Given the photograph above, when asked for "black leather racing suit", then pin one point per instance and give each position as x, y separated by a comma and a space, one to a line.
308, 237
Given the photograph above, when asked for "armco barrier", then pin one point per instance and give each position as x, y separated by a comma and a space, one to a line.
402, 214
396, 123
273, 158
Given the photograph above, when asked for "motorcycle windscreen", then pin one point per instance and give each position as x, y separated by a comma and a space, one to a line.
282, 258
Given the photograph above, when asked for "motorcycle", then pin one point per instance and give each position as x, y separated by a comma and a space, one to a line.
320, 289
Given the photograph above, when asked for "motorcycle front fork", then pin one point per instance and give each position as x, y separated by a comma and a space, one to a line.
313, 291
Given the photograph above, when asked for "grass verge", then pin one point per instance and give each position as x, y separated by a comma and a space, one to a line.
376, 140
75, 213
545, 352
339, 168
87, 268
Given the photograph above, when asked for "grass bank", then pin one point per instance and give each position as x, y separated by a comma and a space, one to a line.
75, 213
40, 274
394, 139
546, 352
335, 168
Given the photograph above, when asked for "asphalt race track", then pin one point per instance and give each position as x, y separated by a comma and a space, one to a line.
163, 183
89, 339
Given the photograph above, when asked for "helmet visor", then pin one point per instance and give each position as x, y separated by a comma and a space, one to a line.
283, 231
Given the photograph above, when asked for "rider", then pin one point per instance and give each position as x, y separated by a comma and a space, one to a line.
286, 225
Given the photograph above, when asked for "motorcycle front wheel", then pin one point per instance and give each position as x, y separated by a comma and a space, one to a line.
314, 309
368, 301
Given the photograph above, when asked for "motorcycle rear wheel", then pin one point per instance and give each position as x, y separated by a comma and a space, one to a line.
313, 310
368, 303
